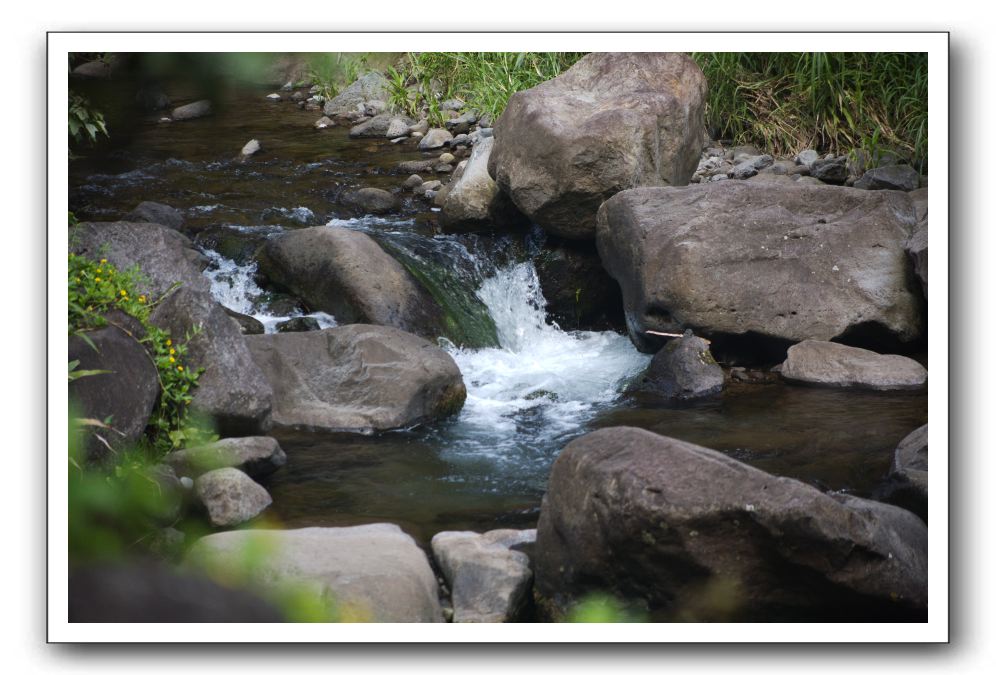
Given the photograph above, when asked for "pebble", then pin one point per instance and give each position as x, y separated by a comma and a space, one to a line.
273, 97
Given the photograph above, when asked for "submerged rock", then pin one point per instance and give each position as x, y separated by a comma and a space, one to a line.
692, 534
830, 364
255, 455
489, 580
298, 324
357, 378
612, 121
364, 573
683, 369
762, 265
370, 200
231, 497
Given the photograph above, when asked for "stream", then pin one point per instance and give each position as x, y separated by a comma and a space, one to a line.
532, 387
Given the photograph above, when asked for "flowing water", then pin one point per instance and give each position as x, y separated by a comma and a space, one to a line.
532, 387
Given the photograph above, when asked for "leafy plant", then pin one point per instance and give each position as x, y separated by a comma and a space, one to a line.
85, 122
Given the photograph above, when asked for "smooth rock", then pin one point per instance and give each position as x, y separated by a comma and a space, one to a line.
192, 110
612, 121
833, 171
364, 573
324, 122
421, 127
907, 481
900, 177
683, 369
231, 497
357, 378
370, 86
412, 182
250, 148
398, 128
370, 200
247, 324
807, 157
255, 455
298, 324
830, 364
434, 138
489, 581
381, 126
153, 212
692, 534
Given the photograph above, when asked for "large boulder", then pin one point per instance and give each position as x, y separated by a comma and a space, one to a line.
612, 121
357, 378
690, 533
907, 481
369, 87
916, 245
348, 275
231, 497
762, 263
365, 573
829, 364
125, 393
892, 177
683, 369
255, 455
488, 579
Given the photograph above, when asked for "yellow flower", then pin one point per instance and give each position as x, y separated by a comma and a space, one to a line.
141, 299
97, 280
172, 351
180, 368
171, 359
99, 271
169, 343
103, 261
124, 293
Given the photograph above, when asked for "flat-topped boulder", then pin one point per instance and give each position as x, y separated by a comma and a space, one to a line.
357, 378
255, 455
612, 121
692, 534
739, 260
829, 364
365, 573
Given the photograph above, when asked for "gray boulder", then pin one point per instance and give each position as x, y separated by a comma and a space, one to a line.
153, 212
489, 581
231, 497
255, 455
247, 324
907, 482
434, 138
192, 110
692, 534
379, 126
365, 573
833, 170
807, 158
416, 165
357, 378
612, 121
750, 166
324, 122
126, 393
896, 177
370, 200
683, 369
740, 260
829, 364
371, 86
348, 275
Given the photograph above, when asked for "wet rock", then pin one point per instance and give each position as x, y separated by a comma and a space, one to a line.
247, 324
153, 212
94, 70
612, 121
416, 165
442, 168
692, 534
380, 127
580, 294
231, 497
830, 364
916, 245
412, 182
489, 581
683, 369
370, 200
427, 186
255, 455
126, 392
364, 573
421, 127
345, 273
371, 86
434, 138
468, 204
750, 166
901, 177
298, 324
324, 122
250, 149
193, 110
833, 171
273, 97
750, 262
447, 158
357, 378
907, 482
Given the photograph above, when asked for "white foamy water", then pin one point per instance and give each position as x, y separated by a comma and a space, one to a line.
539, 389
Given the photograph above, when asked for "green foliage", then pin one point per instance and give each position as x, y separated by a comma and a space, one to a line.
85, 122
832, 102
96, 288
602, 608
331, 71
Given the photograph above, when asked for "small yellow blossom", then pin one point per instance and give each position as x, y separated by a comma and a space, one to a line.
169, 343
100, 271
172, 360
180, 368
124, 293
172, 351
141, 299
97, 280
103, 261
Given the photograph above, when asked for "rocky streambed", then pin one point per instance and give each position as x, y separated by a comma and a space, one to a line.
424, 319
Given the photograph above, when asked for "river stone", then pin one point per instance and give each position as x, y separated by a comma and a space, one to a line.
579, 293
412, 182
250, 148
833, 170
247, 324
829, 364
324, 122
255, 455
193, 110
370, 200
383, 125
611, 122
434, 138
416, 165
357, 378
750, 166
366, 573
421, 127
232, 390
489, 581
345, 273
695, 535
742, 260
916, 245
371, 86
231, 497
807, 157
468, 203
900, 177
153, 212
683, 369
126, 394
299, 324
907, 482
